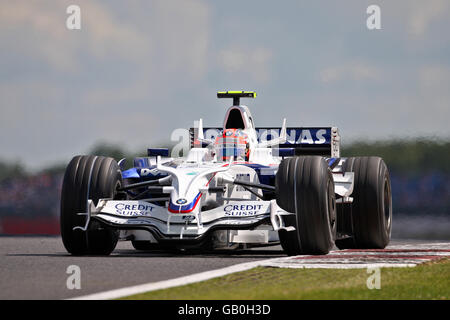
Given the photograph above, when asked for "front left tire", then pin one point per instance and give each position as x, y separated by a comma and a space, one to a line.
369, 217
305, 187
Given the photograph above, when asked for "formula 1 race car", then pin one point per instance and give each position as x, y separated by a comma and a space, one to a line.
239, 186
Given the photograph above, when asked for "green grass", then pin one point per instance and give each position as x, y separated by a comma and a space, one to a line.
426, 281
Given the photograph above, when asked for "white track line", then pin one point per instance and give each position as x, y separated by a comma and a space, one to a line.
202, 276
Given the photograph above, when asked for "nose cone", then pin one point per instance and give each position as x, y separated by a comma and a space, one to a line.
182, 205
187, 190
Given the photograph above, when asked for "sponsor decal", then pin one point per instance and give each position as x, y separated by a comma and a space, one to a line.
295, 136
148, 172
181, 201
242, 210
133, 210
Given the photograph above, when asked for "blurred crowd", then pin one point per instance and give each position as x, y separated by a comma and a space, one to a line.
427, 194
31, 196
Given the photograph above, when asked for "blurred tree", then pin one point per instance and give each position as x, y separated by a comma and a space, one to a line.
115, 151
58, 168
108, 150
11, 170
406, 156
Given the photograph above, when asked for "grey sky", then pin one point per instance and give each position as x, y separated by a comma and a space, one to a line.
137, 70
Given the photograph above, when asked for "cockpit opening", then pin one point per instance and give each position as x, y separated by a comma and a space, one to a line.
235, 120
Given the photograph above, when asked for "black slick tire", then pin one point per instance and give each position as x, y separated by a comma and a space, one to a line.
305, 187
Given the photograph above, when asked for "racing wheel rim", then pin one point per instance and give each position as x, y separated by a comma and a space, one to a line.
387, 204
331, 205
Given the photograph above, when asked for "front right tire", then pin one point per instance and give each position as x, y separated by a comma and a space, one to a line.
88, 177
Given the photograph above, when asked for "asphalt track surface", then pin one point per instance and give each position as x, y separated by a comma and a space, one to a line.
35, 267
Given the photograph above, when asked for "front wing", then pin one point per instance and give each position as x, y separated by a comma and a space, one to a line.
164, 225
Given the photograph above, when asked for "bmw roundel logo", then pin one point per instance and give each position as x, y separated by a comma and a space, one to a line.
181, 201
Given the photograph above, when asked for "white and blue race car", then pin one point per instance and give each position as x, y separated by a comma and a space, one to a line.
239, 186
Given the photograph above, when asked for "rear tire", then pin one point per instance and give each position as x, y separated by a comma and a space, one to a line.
305, 186
88, 177
370, 215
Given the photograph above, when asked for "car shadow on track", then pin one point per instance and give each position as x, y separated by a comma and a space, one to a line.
243, 254
125, 253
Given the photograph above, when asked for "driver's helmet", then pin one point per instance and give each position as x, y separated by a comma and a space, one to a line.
232, 143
